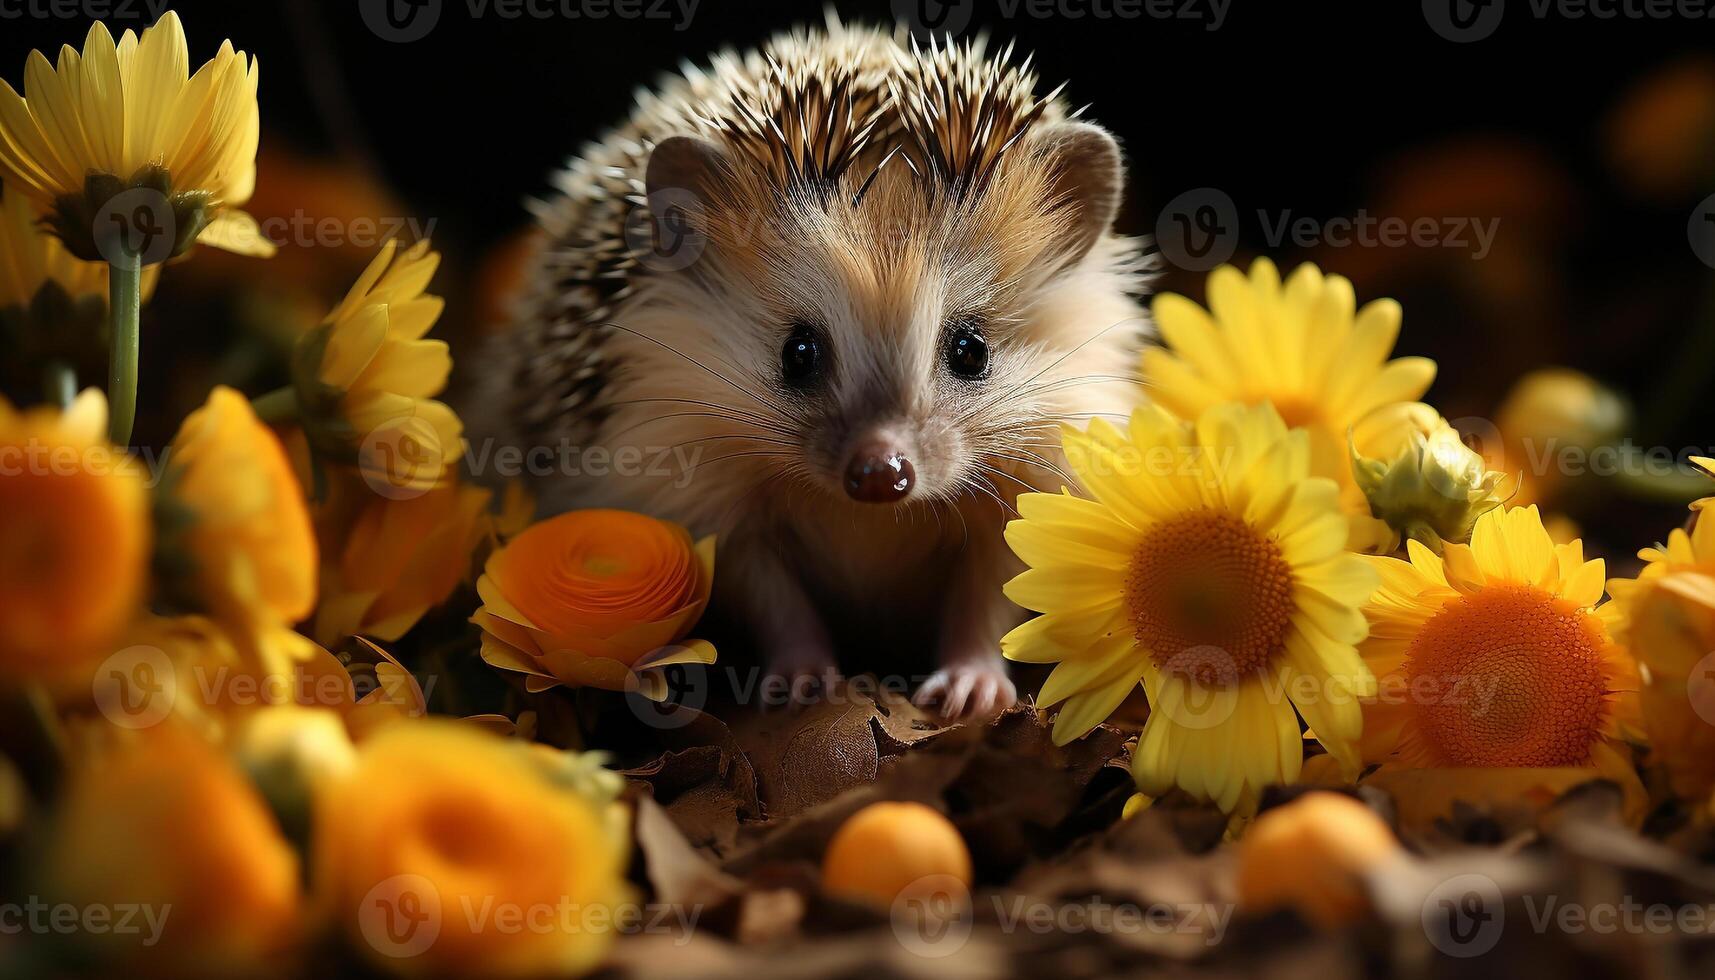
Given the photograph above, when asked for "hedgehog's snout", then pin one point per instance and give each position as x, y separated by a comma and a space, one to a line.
879, 473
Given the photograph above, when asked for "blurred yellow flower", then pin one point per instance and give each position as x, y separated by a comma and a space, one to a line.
74, 542
450, 851
388, 561
1304, 348
597, 598
166, 823
1432, 491
236, 536
1210, 566
1497, 677
1666, 618
131, 115
364, 381
30, 258
1548, 413
207, 676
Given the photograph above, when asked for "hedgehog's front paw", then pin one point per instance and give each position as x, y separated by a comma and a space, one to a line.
969, 690
797, 677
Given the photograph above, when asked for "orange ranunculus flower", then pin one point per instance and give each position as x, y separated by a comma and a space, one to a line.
238, 535
450, 851
166, 823
598, 598
74, 541
389, 561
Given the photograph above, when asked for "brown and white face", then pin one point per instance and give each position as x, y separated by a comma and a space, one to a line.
907, 347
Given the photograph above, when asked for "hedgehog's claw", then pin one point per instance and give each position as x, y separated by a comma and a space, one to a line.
969, 691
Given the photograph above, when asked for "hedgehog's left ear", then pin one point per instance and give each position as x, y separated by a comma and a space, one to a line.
684, 165
1088, 176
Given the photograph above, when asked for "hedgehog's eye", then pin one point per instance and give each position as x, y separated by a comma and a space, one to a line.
801, 358
967, 352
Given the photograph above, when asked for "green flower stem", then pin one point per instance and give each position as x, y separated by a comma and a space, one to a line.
279, 405
124, 309
1679, 487
59, 383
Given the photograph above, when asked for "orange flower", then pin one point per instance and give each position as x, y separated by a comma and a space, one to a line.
167, 824
1312, 854
237, 533
74, 542
452, 852
601, 598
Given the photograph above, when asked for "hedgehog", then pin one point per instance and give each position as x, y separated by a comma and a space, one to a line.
856, 284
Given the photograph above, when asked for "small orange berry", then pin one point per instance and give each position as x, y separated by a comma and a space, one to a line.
885, 848
1310, 855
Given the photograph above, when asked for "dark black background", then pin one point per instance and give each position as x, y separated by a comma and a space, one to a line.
1315, 107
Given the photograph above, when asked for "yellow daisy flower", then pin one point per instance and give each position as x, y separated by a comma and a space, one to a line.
1497, 679
138, 160
1666, 617
364, 381
130, 115
1209, 565
1303, 347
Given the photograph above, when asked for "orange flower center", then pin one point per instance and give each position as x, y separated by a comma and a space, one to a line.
1209, 597
1509, 676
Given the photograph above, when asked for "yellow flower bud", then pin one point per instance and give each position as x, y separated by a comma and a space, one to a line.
1433, 491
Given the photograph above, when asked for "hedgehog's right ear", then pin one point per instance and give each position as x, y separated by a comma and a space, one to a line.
682, 166
1088, 177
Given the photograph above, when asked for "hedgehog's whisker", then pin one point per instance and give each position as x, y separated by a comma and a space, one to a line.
1046, 368
761, 397
726, 410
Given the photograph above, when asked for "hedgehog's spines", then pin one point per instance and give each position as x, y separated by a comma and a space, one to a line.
805, 109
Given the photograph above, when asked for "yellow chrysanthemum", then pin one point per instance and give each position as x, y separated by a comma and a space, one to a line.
236, 535
365, 380
74, 538
1666, 618
1211, 566
388, 562
1497, 679
126, 115
1303, 347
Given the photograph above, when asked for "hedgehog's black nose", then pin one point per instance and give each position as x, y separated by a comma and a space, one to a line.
878, 474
